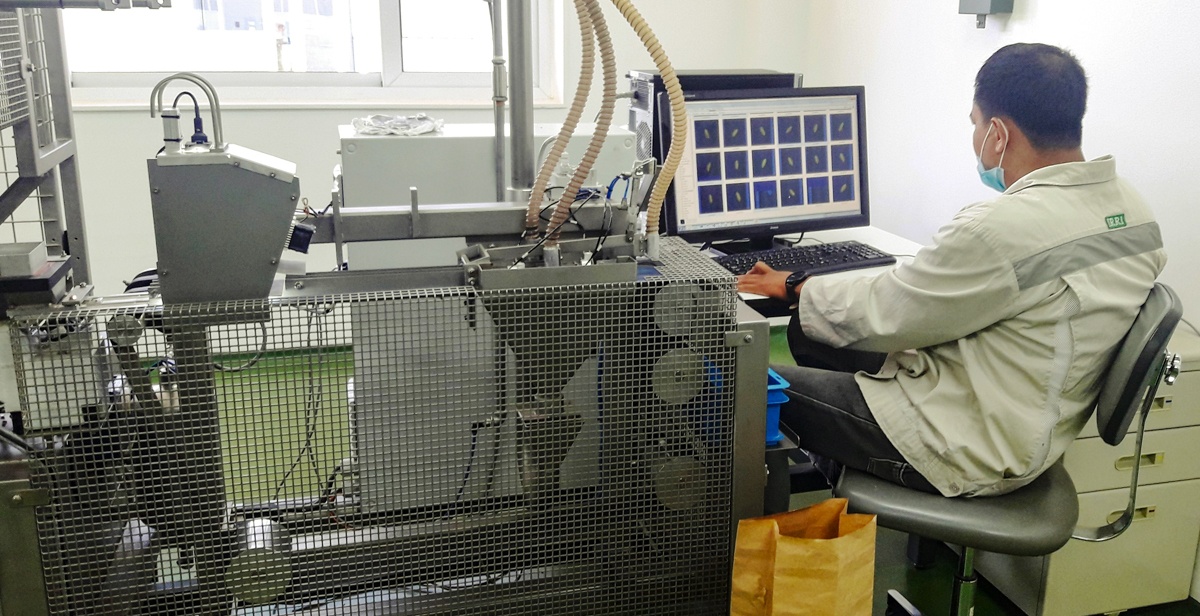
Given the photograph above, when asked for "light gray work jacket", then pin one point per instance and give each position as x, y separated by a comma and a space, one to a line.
999, 333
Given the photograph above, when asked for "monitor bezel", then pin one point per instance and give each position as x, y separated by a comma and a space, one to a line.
767, 230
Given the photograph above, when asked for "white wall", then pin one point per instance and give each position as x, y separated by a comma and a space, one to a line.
114, 144
918, 62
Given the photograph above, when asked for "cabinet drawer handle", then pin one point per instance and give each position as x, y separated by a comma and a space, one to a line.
1157, 458
1161, 403
1141, 513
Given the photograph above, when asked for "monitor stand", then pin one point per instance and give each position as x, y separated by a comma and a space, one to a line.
750, 245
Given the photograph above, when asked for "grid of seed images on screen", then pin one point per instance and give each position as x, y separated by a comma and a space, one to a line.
783, 160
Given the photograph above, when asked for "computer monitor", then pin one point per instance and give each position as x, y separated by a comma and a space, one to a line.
762, 163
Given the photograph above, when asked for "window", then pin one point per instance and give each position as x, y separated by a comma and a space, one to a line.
430, 49
451, 36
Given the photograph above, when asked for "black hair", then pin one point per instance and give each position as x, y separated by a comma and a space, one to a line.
1041, 87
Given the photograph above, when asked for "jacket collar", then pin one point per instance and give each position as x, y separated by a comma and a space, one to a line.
1094, 171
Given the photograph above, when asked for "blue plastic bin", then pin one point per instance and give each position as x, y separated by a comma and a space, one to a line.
776, 396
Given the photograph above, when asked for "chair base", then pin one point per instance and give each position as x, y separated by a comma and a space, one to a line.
962, 598
897, 605
921, 551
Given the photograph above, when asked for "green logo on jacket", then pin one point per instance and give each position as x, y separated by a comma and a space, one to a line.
1115, 222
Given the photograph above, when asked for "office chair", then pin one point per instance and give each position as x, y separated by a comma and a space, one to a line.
1038, 518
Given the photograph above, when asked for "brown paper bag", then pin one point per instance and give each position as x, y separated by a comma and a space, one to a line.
814, 561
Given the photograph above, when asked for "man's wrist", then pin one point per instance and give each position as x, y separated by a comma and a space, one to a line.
792, 286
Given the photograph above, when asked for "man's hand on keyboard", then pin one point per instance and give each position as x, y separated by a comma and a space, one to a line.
762, 280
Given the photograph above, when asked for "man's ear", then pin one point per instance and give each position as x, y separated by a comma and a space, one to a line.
1001, 129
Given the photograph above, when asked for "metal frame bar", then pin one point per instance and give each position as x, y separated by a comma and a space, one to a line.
22, 587
503, 221
752, 339
520, 55
16, 194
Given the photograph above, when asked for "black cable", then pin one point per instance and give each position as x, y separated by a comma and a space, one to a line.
575, 207
253, 360
500, 361
470, 461
539, 243
315, 395
606, 231
195, 103
549, 232
198, 135
329, 483
542, 214
311, 413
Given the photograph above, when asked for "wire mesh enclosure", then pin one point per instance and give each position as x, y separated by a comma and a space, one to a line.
14, 104
440, 451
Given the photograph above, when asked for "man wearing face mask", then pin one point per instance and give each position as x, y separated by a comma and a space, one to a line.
969, 370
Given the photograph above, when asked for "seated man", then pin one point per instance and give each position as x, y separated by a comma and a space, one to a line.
969, 370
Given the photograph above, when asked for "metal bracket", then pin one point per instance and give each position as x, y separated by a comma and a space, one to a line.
738, 338
1174, 363
474, 259
23, 499
78, 295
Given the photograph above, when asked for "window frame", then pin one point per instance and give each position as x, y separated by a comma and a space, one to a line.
390, 88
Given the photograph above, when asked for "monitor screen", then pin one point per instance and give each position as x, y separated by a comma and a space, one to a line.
768, 162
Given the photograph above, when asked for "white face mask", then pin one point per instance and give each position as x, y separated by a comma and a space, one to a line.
992, 178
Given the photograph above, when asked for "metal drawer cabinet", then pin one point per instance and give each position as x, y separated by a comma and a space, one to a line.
1167, 455
1149, 564
1176, 406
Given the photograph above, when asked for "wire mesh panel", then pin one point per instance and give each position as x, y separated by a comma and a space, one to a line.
14, 105
41, 72
441, 451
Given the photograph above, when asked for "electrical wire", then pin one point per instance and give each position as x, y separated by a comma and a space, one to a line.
195, 103
571, 218
253, 360
470, 461
312, 408
500, 369
1189, 324
605, 232
611, 184
541, 241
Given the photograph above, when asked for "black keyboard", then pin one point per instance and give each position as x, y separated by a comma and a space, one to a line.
812, 258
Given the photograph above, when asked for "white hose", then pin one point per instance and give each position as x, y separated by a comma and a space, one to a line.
603, 121
533, 214
214, 104
678, 112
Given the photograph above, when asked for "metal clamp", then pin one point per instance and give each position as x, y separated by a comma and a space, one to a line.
1171, 372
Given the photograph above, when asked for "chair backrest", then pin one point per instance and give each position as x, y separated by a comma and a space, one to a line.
1137, 367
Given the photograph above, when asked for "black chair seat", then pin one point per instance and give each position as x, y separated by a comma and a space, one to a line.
1032, 521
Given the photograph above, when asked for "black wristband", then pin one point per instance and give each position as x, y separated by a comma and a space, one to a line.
793, 280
